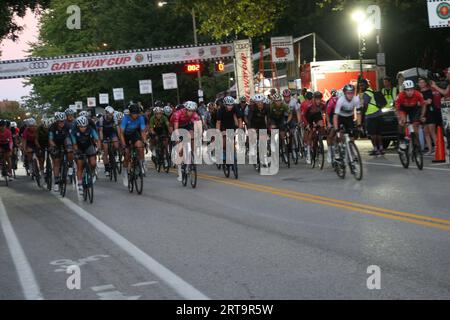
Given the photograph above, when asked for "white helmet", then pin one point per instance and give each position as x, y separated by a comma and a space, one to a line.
84, 114
229, 100
158, 110
70, 112
408, 84
13, 124
31, 122
266, 100
126, 112
258, 98
118, 116
191, 105
167, 110
60, 116
109, 110
82, 121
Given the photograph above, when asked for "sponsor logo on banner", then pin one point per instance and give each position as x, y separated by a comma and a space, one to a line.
139, 58
244, 69
110, 60
443, 10
282, 49
439, 14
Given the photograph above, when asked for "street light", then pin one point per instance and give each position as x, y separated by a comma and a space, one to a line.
364, 28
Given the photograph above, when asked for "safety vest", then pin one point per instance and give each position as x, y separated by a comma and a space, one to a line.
301, 98
390, 95
372, 106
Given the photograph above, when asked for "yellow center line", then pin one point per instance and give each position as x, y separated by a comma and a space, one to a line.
437, 223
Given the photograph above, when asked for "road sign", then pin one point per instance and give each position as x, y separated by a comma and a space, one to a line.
79, 105
170, 81
91, 102
282, 49
104, 98
145, 86
118, 94
439, 14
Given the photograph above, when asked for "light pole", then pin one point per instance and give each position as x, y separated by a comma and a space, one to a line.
194, 27
364, 28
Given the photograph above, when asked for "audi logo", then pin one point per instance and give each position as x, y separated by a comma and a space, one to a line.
38, 65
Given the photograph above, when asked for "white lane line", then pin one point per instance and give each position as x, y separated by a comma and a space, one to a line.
30, 287
180, 286
103, 288
142, 284
400, 166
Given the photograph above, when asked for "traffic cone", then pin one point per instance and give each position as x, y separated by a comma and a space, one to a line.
440, 147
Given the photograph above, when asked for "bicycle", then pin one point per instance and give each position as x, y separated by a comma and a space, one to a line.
412, 149
297, 144
317, 149
3, 169
348, 156
35, 173
284, 149
135, 174
48, 177
227, 168
64, 169
189, 170
163, 158
14, 161
87, 180
112, 156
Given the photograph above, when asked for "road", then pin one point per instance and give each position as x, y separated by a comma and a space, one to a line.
302, 234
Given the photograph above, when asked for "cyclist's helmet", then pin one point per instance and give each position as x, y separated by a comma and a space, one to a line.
60, 116
258, 98
191, 105
118, 116
349, 88
2, 123
126, 112
287, 93
266, 100
82, 121
243, 99
13, 124
167, 110
70, 112
229, 100
109, 110
159, 103
8, 123
84, 114
333, 92
180, 107
158, 110
134, 109
309, 95
276, 97
31, 122
408, 84
318, 95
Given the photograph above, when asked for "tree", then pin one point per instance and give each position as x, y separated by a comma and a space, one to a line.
9, 8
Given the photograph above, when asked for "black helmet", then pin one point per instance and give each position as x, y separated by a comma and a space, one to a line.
180, 107
309, 95
318, 95
134, 109
2, 123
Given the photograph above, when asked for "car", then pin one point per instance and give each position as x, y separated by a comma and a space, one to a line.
390, 127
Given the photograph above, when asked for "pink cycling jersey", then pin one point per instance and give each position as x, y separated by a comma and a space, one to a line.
181, 117
6, 138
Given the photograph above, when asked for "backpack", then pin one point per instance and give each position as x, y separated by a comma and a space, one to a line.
380, 99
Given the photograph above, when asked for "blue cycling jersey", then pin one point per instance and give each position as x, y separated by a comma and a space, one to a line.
130, 126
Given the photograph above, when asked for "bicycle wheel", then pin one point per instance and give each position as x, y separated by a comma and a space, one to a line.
226, 170
3, 173
320, 155
235, 170
119, 162
193, 175
404, 157
167, 162
63, 179
36, 173
139, 179
184, 175
339, 165
417, 155
355, 162
48, 174
88, 185
313, 154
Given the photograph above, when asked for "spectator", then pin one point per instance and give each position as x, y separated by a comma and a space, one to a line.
444, 92
431, 115
389, 92
373, 118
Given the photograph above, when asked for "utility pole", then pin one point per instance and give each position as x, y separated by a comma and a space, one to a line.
194, 25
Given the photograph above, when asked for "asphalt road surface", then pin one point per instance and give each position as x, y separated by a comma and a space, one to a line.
302, 234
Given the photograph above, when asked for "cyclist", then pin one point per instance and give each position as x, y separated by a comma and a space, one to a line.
85, 140
410, 104
159, 129
185, 119
29, 140
313, 118
345, 111
331, 106
294, 107
229, 116
16, 141
278, 110
133, 134
42, 142
107, 130
60, 139
6, 146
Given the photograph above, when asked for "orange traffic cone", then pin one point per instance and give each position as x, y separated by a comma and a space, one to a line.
440, 147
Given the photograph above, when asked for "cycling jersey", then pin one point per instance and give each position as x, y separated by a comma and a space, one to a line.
313, 113
345, 108
85, 139
59, 135
403, 102
6, 140
130, 126
181, 117
227, 117
159, 125
30, 136
277, 114
303, 108
294, 106
42, 136
257, 117
109, 127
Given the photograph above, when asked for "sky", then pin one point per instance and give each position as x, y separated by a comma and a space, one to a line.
13, 89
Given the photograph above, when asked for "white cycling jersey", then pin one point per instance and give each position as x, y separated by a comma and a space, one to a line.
345, 108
